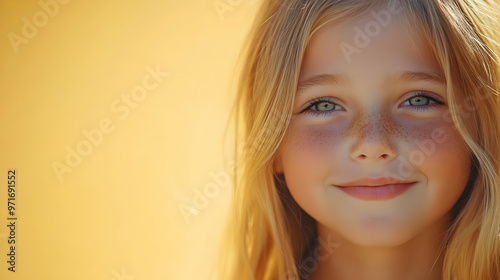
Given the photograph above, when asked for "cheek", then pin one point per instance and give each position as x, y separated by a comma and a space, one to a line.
435, 145
309, 156
439, 153
310, 145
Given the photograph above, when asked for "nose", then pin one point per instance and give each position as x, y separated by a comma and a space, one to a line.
372, 138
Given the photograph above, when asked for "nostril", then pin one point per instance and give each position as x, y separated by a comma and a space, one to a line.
384, 156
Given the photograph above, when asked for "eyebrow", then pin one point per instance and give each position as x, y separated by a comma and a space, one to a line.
410, 76
322, 80
341, 79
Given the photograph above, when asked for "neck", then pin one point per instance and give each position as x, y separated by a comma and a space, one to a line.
417, 259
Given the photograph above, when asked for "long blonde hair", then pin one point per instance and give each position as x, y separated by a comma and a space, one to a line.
267, 232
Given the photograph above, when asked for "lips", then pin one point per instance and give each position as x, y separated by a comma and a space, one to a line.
383, 188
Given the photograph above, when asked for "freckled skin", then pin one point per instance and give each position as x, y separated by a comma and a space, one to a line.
374, 136
362, 123
313, 137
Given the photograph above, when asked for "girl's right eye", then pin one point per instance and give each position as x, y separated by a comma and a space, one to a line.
322, 106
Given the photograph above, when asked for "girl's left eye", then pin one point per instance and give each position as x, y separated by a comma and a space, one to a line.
421, 101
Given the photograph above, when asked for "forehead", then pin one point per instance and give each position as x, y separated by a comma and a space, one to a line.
366, 43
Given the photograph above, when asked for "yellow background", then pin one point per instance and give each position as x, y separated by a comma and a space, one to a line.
118, 215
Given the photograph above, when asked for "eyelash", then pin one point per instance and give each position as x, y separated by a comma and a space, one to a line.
317, 101
425, 94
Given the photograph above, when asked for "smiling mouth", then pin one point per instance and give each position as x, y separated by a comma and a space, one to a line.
375, 189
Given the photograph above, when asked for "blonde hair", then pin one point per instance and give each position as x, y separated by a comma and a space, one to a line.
267, 232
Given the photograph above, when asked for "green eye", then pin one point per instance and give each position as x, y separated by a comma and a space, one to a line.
419, 101
422, 100
325, 106
322, 106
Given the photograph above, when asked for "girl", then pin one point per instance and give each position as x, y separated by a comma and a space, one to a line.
371, 133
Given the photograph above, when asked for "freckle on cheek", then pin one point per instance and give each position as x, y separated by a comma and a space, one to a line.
421, 137
312, 138
390, 127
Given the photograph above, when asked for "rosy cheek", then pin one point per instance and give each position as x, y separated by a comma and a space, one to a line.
312, 141
435, 150
309, 156
433, 144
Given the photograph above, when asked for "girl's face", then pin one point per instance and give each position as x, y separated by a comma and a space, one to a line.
368, 152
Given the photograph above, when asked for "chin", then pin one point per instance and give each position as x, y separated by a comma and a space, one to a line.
379, 236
